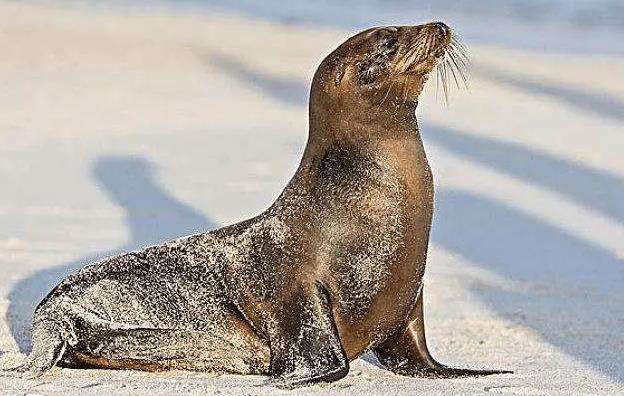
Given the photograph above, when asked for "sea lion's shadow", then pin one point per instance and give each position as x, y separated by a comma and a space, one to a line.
152, 215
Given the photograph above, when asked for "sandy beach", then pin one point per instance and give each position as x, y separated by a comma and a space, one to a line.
123, 126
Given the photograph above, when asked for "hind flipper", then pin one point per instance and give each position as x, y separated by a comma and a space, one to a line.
147, 349
406, 353
48, 348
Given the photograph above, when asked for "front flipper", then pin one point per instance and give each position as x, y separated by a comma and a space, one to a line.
406, 352
305, 347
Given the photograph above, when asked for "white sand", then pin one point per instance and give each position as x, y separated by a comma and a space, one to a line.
119, 128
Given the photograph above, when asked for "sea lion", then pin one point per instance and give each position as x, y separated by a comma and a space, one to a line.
331, 270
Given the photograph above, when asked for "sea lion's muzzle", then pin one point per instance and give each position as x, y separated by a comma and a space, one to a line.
441, 27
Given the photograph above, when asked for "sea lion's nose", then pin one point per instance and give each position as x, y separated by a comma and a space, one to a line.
441, 26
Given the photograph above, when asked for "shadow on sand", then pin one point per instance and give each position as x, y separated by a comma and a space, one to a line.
286, 90
566, 289
595, 103
151, 215
592, 188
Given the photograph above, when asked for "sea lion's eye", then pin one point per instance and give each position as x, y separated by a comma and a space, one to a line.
389, 47
387, 41
384, 46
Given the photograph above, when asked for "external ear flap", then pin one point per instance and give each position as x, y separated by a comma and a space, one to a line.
339, 73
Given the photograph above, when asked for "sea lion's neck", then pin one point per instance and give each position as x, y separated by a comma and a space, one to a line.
361, 127
380, 135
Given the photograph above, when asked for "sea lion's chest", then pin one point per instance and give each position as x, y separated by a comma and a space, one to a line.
359, 241
370, 211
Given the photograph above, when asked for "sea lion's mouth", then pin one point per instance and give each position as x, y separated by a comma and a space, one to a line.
436, 48
423, 47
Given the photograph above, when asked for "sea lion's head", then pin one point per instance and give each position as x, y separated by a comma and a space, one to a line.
385, 69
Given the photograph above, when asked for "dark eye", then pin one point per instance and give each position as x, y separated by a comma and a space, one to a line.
389, 47
384, 46
387, 41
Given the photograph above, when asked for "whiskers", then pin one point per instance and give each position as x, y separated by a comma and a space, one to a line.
451, 66
416, 53
454, 65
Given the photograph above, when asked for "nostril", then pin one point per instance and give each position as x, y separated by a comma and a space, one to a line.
442, 26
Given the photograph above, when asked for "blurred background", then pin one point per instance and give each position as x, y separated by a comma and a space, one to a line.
587, 26
126, 123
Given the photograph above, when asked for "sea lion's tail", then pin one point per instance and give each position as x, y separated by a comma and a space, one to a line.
48, 348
